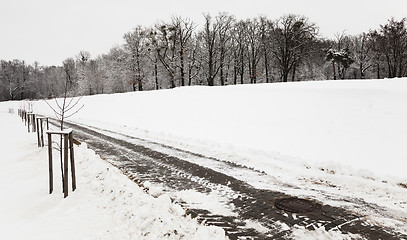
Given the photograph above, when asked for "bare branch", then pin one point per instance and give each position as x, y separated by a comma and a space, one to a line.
74, 112
76, 103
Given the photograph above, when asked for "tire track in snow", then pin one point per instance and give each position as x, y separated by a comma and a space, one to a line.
143, 163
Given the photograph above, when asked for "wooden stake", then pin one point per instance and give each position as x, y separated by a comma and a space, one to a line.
42, 135
33, 123
28, 123
72, 161
65, 165
38, 132
51, 183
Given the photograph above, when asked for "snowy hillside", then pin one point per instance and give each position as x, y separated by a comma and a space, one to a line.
345, 138
351, 127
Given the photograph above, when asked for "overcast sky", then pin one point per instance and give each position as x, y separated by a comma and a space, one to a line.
49, 31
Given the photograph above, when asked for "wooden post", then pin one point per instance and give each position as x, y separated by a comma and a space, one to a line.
42, 134
38, 132
68, 143
34, 128
66, 165
28, 122
51, 183
72, 162
31, 122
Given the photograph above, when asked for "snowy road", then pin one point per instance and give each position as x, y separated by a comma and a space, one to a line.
216, 193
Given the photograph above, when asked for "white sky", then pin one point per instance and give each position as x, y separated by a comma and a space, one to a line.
49, 31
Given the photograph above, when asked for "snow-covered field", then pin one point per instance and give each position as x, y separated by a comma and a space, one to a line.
335, 140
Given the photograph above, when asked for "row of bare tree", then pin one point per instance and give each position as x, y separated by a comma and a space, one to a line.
224, 51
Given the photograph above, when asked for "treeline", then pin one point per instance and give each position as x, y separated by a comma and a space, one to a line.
224, 51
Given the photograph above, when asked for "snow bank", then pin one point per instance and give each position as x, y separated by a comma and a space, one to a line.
106, 205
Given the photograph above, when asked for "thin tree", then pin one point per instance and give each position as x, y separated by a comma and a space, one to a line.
63, 109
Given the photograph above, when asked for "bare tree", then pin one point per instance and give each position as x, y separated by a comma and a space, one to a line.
194, 66
239, 50
135, 45
291, 36
210, 56
363, 57
64, 109
265, 37
84, 81
69, 67
163, 41
224, 23
184, 29
253, 47
393, 38
152, 54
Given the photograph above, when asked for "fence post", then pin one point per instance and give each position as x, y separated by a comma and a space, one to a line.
33, 123
67, 146
38, 132
72, 161
28, 122
66, 165
23, 117
42, 134
51, 183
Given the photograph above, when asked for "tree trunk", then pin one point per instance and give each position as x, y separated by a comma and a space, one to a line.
181, 53
156, 75
266, 67
362, 74
400, 69
140, 85
210, 70
221, 65
389, 74
241, 66
222, 78
250, 73
189, 75
172, 82
285, 76
254, 71
227, 74
234, 74
139, 78
294, 71
241, 74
